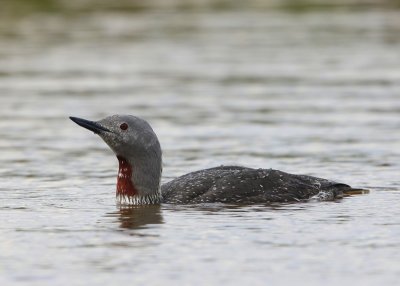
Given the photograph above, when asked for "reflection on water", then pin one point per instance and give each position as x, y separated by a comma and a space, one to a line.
133, 217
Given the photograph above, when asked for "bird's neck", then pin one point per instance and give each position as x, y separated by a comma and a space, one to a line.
138, 183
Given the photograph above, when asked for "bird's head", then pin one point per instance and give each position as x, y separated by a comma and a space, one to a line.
128, 136
138, 150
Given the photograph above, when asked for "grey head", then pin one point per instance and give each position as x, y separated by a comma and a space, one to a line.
139, 153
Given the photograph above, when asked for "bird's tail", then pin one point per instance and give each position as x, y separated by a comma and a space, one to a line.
353, 191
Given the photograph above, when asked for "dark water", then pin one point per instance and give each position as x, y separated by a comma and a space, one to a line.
315, 93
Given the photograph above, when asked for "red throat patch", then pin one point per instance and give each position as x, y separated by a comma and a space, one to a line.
125, 187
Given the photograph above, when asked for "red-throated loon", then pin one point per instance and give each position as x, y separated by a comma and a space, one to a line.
140, 165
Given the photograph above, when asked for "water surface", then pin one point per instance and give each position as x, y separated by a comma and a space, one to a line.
314, 93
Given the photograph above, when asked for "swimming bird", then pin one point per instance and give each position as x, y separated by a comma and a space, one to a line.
138, 151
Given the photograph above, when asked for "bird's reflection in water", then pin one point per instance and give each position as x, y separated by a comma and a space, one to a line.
136, 217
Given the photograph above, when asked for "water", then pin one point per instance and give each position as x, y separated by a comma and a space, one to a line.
314, 93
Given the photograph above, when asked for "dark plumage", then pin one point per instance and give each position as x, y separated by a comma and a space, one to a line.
234, 184
140, 165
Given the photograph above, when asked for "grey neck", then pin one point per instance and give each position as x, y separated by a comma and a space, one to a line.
145, 176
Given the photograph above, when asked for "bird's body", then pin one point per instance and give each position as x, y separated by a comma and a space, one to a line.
235, 184
140, 166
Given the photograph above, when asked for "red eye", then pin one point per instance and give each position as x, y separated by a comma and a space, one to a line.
123, 126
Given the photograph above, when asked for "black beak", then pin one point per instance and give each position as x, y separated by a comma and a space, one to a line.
91, 125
